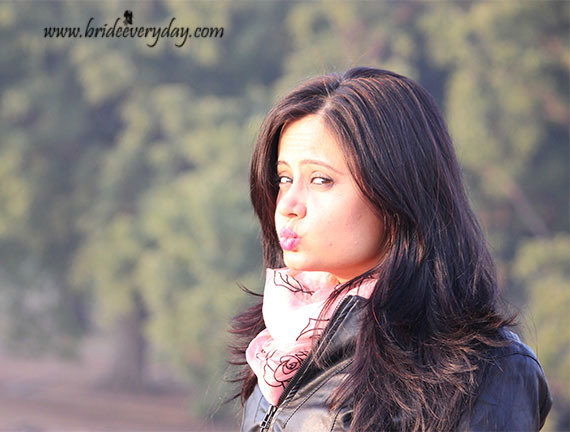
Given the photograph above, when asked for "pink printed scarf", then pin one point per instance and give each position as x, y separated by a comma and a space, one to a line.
292, 303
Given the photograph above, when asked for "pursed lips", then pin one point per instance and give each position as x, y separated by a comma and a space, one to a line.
288, 238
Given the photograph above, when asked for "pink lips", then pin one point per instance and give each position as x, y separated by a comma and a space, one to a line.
288, 239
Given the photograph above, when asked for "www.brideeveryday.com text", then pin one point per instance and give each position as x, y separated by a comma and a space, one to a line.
154, 33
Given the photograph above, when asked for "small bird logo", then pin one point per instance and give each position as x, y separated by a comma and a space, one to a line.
128, 17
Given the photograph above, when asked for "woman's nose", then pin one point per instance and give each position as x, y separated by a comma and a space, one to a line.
291, 203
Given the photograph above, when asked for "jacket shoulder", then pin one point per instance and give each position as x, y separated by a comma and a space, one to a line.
513, 395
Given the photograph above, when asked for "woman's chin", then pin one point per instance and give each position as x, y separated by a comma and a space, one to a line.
295, 261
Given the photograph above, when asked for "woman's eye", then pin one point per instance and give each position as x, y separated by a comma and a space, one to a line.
282, 179
321, 180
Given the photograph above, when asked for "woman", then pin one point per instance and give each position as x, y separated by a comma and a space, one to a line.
380, 306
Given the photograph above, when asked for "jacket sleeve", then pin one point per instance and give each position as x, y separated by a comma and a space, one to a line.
514, 396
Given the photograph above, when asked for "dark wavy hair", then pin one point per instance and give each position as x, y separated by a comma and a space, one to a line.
433, 315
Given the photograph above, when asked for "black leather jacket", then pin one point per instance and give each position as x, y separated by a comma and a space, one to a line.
514, 395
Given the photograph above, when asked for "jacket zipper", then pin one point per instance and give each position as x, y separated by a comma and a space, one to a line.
266, 423
267, 419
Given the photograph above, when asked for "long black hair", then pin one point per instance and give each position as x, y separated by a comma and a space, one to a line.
433, 315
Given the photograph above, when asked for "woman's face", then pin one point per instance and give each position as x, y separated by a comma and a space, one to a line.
323, 221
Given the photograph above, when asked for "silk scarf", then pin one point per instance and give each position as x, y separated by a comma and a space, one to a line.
292, 303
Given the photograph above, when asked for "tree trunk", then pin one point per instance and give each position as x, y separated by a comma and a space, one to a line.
128, 367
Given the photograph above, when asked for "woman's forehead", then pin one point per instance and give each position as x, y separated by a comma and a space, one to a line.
310, 138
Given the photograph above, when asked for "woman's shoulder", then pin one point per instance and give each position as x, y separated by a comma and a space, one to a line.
514, 347
514, 394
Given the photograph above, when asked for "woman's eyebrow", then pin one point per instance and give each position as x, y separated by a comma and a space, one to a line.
312, 162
